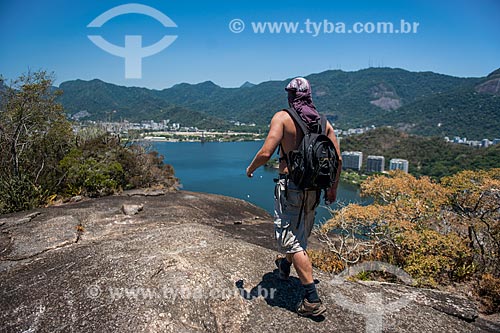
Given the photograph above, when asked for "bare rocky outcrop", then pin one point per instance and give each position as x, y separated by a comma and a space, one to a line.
385, 97
387, 103
181, 264
490, 87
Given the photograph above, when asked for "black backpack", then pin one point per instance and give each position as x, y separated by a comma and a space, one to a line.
313, 165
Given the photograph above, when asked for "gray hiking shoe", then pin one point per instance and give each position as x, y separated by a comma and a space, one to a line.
307, 309
283, 275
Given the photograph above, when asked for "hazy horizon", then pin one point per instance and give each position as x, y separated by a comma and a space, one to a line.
257, 83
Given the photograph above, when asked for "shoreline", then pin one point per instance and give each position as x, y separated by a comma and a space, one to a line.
160, 139
201, 136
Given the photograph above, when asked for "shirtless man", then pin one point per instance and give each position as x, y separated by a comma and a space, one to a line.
290, 233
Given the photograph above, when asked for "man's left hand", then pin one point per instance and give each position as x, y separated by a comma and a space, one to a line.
331, 194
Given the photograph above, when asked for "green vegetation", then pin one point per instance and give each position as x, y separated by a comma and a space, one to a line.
34, 137
442, 234
272, 163
462, 112
427, 156
101, 165
348, 95
41, 158
352, 177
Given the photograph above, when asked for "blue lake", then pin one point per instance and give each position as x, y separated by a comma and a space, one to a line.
219, 167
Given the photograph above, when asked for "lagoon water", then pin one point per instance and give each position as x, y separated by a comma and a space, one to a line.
219, 167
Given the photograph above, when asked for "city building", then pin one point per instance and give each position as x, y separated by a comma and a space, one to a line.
352, 160
375, 163
397, 163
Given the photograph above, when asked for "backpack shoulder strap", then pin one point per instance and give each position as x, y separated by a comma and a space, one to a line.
296, 118
322, 119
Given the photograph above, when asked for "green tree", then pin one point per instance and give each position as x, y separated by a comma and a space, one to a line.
101, 164
41, 158
34, 136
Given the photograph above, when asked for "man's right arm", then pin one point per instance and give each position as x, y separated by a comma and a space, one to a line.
272, 141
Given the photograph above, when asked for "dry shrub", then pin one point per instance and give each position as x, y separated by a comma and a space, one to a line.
326, 261
489, 291
440, 233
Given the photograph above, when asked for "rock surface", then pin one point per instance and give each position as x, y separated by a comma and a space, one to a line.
490, 87
131, 209
181, 264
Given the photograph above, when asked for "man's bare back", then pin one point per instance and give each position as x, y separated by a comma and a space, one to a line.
292, 136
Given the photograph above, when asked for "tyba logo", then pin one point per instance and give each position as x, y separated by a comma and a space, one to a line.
133, 52
374, 308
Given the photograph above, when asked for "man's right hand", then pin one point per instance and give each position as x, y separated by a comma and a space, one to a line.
249, 173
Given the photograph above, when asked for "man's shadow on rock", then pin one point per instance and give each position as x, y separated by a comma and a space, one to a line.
285, 294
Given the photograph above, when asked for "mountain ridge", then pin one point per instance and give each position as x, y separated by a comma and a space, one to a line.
381, 96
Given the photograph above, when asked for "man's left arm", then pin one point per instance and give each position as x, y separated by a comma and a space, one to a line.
272, 140
332, 191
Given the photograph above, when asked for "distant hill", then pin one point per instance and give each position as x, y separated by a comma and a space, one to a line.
470, 111
419, 102
247, 85
105, 101
463, 112
352, 98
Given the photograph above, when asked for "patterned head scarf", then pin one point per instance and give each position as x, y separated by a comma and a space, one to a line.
300, 98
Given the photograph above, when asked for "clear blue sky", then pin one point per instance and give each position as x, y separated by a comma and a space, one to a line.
460, 38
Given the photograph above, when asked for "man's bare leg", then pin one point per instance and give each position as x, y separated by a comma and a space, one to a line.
311, 305
302, 265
